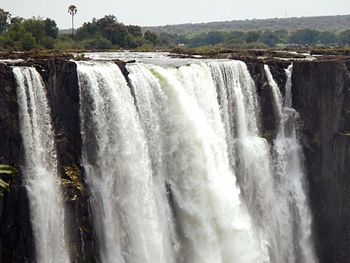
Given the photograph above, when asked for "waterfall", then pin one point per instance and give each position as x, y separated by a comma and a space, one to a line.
118, 169
213, 224
151, 101
40, 168
178, 170
291, 177
250, 152
186, 126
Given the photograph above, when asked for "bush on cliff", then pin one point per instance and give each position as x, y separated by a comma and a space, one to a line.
7, 170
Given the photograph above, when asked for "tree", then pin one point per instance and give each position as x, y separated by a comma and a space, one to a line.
27, 42
136, 31
282, 36
106, 21
116, 33
109, 28
269, 38
252, 36
166, 39
95, 33
87, 30
151, 37
344, 37
72, 10
36, 27
304, 36
233, 38
16, 20
327, 38
51, 28
4, 18
98, 43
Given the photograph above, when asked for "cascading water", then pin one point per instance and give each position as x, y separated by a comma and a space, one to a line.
162, 157
40, 169
291, 178
118, 169
251, 153
151, 101
213, 224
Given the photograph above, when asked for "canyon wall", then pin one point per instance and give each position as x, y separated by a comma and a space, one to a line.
320, 95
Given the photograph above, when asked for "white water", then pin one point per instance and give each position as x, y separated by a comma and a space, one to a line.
118, 169
213, 223
291, 178
251, 153
40, 169
166, 158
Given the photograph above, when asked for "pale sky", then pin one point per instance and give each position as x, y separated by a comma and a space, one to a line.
163, 12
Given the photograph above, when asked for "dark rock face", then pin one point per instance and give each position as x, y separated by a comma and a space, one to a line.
321, 94
268, 114
16, 237
15, 228
60, 77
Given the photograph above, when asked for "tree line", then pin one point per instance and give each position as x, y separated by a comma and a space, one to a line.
17, 33
267, 38
320, 23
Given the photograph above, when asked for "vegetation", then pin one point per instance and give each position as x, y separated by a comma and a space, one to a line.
29, 34
320, 23
99, 34
107, 33
4, 186
73, 185
206, 52
4, 17
258, 39
72, 10
330, 51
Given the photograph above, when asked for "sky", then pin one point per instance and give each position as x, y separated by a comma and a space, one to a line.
164, 12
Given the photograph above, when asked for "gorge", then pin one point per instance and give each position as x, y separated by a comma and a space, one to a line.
164, 160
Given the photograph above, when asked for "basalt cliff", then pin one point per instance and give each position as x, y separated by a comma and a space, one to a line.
321, 96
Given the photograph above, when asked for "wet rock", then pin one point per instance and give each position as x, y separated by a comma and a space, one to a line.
321, 94
268, 115
60, 77
16, 237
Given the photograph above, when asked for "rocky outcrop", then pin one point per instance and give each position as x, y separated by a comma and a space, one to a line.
321, 93
268, 114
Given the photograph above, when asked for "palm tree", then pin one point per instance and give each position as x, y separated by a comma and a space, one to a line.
72, 10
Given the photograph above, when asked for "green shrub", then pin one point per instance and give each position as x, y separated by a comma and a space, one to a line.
27, 42
97, 42
66, 43
145, 48
4, 185
47, 42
